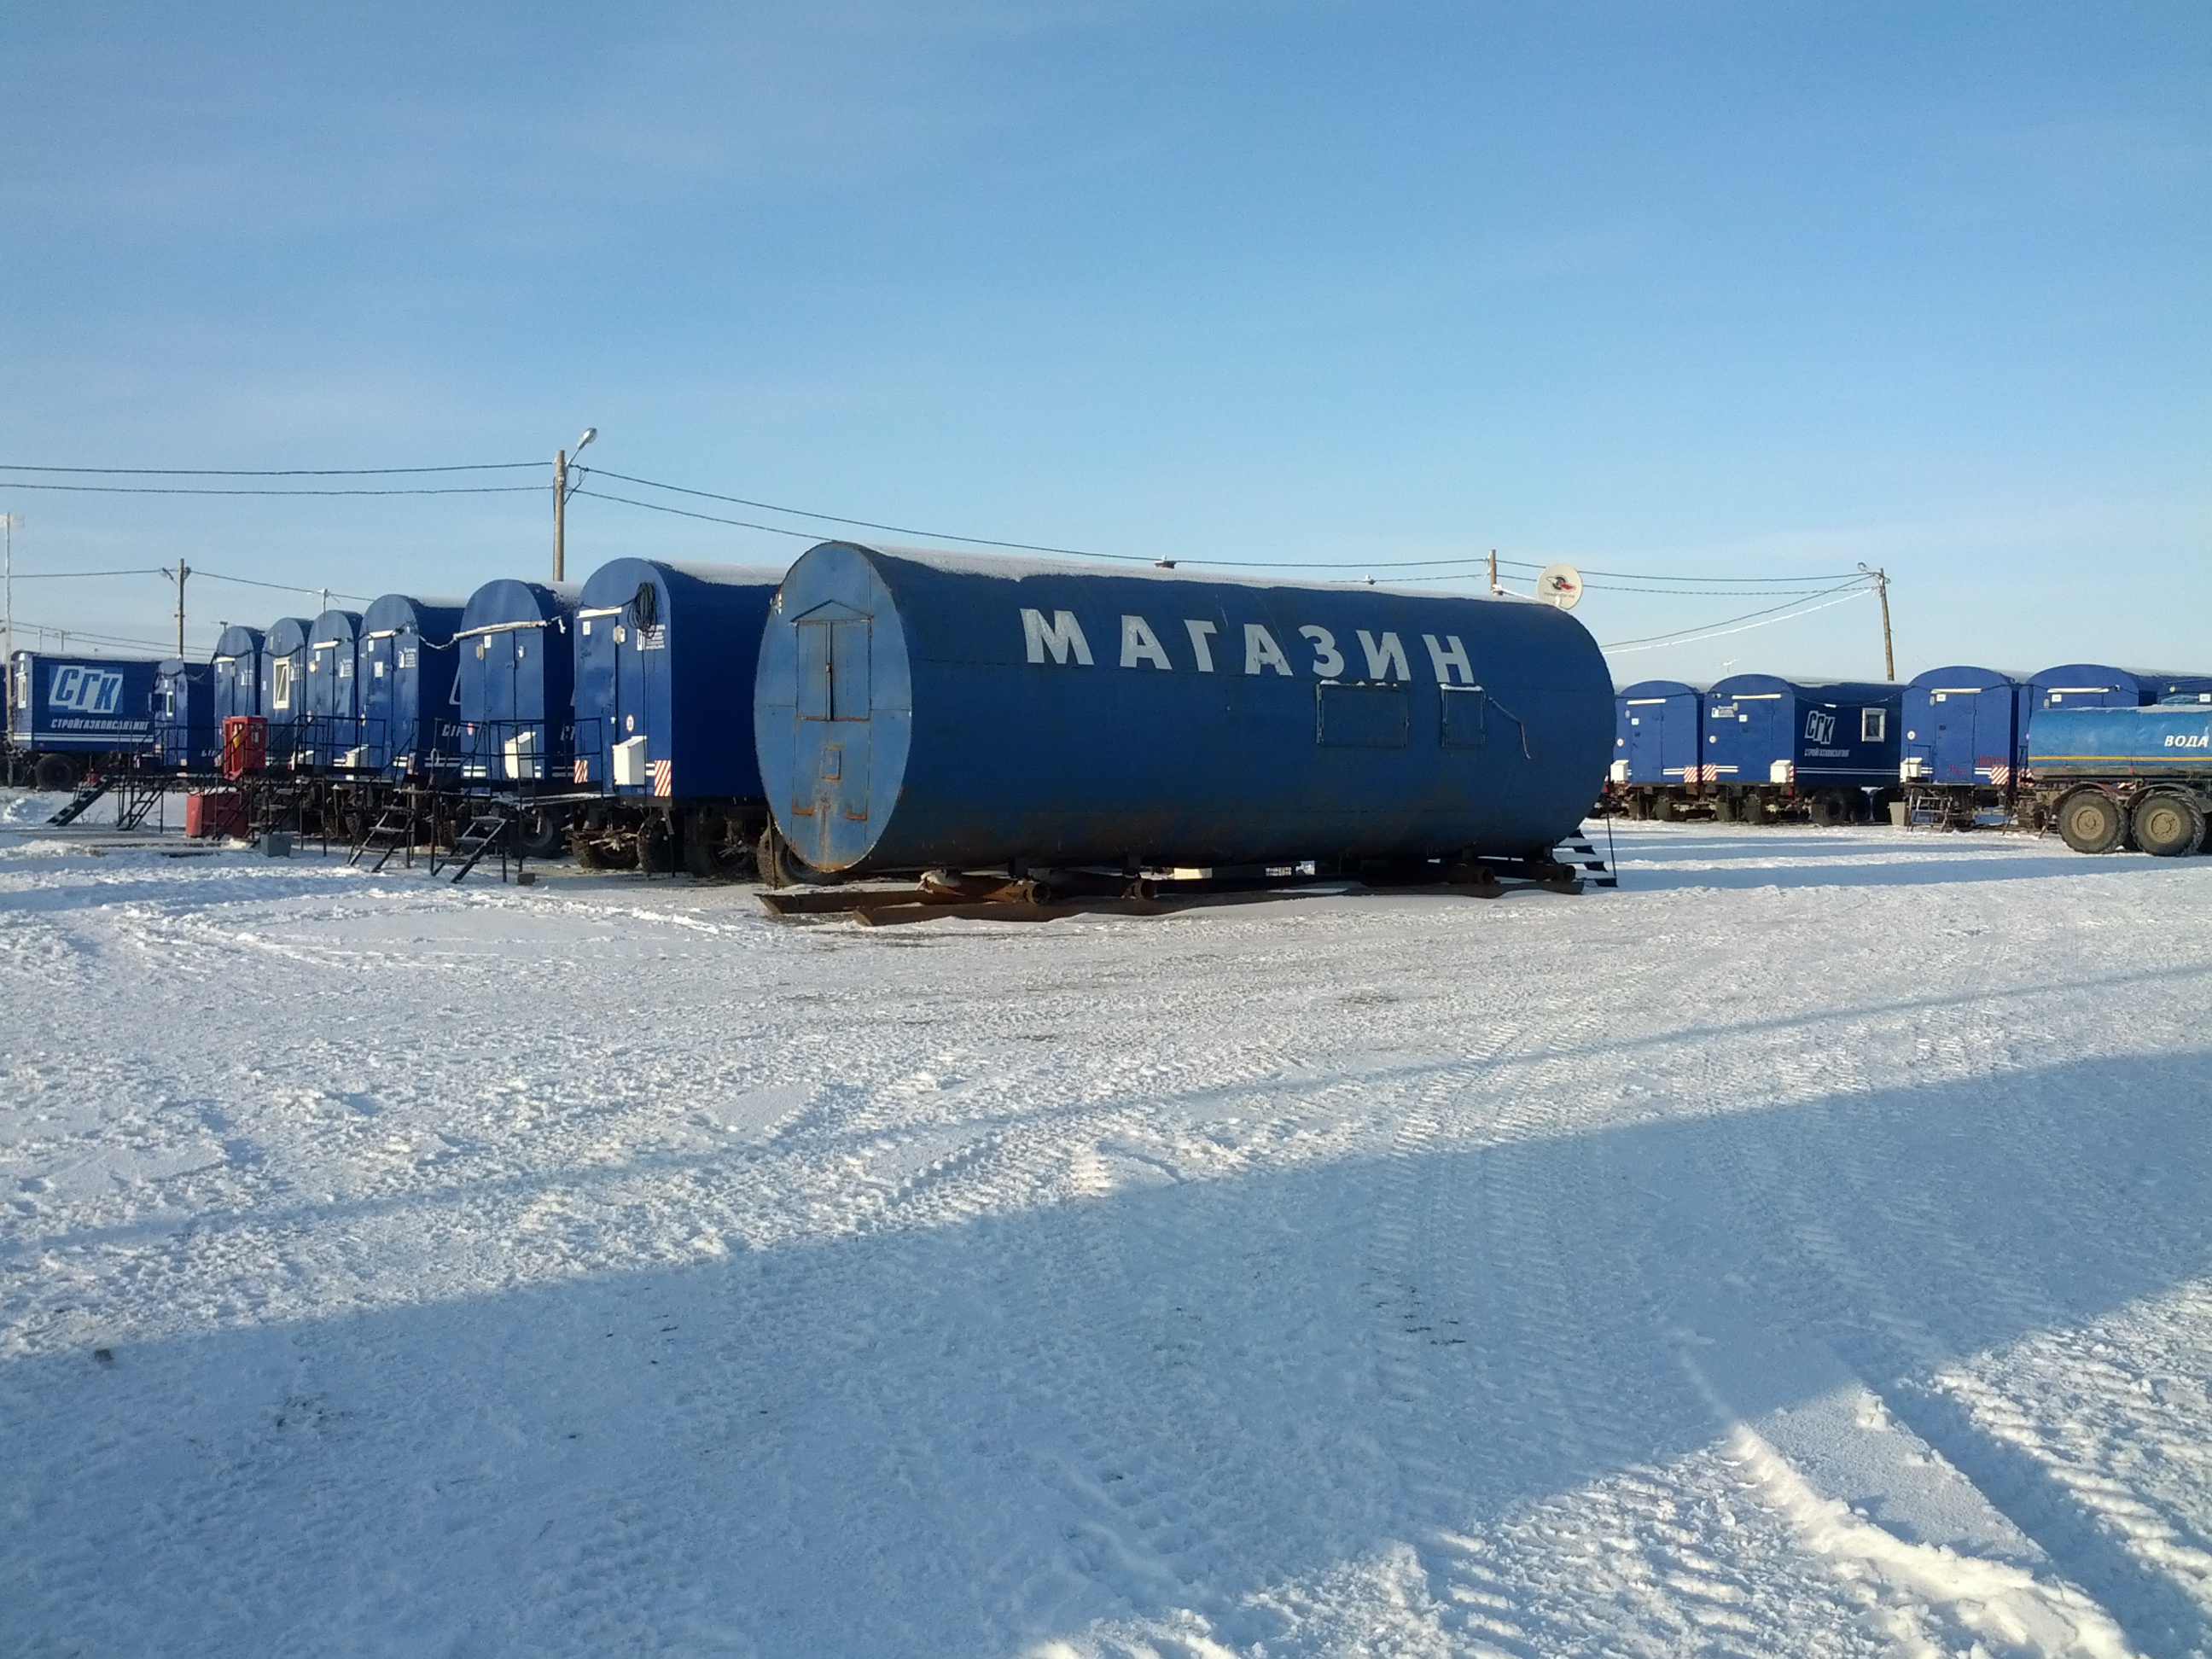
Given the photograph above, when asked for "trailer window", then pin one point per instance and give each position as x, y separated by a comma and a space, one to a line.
1873, 725
279, 683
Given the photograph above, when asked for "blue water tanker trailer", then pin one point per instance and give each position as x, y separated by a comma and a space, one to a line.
408, 659
185, 730
68, 716
1961, 755
284, 684
329, 735
2125, 774
667, 656
921, 710
1658, 748
515, 689
1777, 748
237, 668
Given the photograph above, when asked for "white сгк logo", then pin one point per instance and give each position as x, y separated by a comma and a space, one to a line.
86, 691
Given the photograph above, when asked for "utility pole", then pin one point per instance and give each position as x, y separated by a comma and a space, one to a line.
560, 502
183, 571
1888, 654
561, 493
7, 529
1493, 570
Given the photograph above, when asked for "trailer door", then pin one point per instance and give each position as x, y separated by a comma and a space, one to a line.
829, 810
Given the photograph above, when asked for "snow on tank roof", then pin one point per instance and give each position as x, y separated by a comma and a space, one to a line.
729, 575
1014, 567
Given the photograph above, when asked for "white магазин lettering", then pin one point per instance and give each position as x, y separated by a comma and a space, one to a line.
1386, 657
1328, 661
1064, 634
1201, 634
1260, 650
1140, 644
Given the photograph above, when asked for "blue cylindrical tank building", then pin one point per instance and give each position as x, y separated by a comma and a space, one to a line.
185, 730
918, 709
237, 668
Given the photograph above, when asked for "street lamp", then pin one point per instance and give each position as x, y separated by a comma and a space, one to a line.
562, 490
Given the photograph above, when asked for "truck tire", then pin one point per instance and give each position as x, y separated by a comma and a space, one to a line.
2091, 821
2169, 826
55, 772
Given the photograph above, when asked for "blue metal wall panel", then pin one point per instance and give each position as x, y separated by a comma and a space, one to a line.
81, 705
1658, 732
2101, 685
333, 714
1754, 722
683, 681
918, 708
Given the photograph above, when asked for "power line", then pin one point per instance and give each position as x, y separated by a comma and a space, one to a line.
260, 472
181, 490
58, 575
832, 518
1736, 625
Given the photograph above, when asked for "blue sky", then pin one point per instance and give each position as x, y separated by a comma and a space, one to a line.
1756, 290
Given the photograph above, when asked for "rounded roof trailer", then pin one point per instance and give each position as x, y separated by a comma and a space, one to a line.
1841, 734
185, 730
333, 712
408, 659
237, 672
1965, 727
666, 655
917, 709
284, 671
1658, 733
514, 684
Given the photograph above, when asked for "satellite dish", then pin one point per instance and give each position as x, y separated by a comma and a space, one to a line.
1560, 584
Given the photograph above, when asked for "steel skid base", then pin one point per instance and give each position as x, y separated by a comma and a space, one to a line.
943, 895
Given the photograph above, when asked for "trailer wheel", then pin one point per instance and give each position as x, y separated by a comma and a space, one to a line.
55, 772
656, 848
2090, 821
540, 833
1830, 810
2169, 826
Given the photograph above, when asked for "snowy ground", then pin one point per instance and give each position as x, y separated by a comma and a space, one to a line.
1806, 1250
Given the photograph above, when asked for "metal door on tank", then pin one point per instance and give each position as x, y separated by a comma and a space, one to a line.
829, 782
1763, 735
639, 650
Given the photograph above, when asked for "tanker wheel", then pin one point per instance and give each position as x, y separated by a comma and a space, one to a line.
1664, 809
1831, 810
2169, 826
55, 772
656, 848
2091, 822
540, 833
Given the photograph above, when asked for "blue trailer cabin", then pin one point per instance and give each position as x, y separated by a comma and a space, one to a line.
186, 734
237, 672
1779, 746
1964, 728
332, 734
1658, 746
665, 659
515, 681
2112, 776
917, 709
284, 683
66, 713
408, 660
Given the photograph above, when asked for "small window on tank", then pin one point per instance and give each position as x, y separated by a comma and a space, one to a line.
1873, 725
